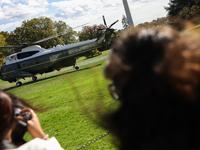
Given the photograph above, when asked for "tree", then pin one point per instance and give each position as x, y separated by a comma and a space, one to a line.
90, 32
188, 13
155, 23
93, 53
34, 30
183, 8
62, 27
125, 23
2, 43
2, 40
37, 29
40, 28
5, 34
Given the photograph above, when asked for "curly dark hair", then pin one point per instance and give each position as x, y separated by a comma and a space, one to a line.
156, 73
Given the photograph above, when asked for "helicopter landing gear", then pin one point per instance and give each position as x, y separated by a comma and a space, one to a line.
19, 83
34, 78
76, 67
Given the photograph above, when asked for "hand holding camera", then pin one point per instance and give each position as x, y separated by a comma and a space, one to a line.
21, 128
27, 120
34, 127
24, 116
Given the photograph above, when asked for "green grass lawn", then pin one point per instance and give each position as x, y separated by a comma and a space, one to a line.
73, 98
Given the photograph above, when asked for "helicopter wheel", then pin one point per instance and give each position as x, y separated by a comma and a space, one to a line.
76, 67
19, 83
34, 78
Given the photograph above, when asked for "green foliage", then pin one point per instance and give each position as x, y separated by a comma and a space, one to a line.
37, 29
5, 34
90, 32
2, 43
3, 53
34, 30
62, 27
93, 53
155, 23
189, 12
2, 40
74, 98
40, 28
183, 8
125, 23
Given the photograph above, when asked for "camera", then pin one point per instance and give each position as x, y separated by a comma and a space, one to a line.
21, 127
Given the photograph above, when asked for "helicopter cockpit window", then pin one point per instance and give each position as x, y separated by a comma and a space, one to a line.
26, 54
3, 68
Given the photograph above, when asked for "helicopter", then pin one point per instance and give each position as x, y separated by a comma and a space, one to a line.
33, 59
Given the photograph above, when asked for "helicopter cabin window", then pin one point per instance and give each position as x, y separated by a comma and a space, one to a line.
14, 57
26, 54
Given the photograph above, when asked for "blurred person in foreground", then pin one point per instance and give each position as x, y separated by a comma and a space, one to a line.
9, 122
155, 75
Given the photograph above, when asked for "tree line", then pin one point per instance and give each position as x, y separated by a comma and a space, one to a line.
42, 27
37, 29
185, 9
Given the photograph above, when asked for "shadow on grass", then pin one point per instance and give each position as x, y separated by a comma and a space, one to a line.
32, 82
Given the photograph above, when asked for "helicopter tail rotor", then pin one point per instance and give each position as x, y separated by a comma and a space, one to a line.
104, 21
109, 28
110, 25
113, 23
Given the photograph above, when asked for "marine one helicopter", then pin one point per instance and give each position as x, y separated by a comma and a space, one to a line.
33, 59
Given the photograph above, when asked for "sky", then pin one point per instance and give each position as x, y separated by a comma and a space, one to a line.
78, 12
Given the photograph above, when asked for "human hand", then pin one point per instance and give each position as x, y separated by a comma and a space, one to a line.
34, 127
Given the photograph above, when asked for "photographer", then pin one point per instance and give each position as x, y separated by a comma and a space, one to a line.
9, 123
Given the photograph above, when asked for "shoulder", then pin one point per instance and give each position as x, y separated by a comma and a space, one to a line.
39, 144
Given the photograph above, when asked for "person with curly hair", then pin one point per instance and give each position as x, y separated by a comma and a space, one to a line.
155, 75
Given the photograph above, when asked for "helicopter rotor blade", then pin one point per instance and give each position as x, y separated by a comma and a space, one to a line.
104, 22
9, 46
53, 36
113, 23
10, 49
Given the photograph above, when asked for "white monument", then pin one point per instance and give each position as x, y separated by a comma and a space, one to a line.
128, 13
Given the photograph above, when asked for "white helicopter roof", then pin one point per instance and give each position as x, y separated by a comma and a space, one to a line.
32, 47
13, 57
